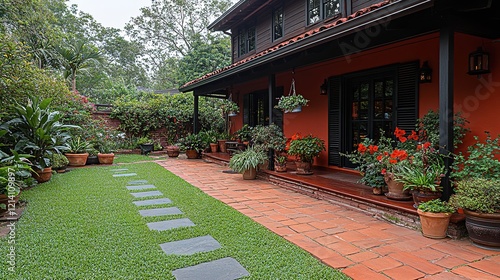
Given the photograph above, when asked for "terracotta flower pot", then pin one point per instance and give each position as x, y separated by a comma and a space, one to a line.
483, 229
44, 175
77, 159
280, 167
250, 174
222, 146
420, 196
396, 191
173, 151
304, 168
106, 158
434, 225
192, 154
214, 147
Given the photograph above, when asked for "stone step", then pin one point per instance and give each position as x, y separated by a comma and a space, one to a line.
222, 269
171, 224
125, 175
141, 187
146, 194
152, 202
190, 246
138, 182
160, 212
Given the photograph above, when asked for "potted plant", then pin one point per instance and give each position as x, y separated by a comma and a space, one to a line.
106, 149
211, 138
229, 107
247, 161
422, 174
291, 103
222, 139
192, 144
36, 130
59, 162
146, 145
14, 171
77, 151
269, 138
173, 150
435, 217
306, 149
480, 200
477, 178
92, 158
244, 134
280, 161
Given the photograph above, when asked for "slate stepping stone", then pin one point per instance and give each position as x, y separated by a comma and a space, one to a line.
119, 170
125, 175
223, 269
171, 224
152, 202
191, 246
146, 194
138, 182
141, 187
160, 212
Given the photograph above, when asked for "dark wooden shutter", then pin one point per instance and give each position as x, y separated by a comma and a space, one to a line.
407, 96
334, 120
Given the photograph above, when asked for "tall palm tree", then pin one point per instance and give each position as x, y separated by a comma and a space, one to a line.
78, 56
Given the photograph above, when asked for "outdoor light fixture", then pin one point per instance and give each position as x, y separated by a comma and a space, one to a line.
479, 62
324, 88
425, 73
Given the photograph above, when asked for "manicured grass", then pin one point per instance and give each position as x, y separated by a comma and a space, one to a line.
83, 225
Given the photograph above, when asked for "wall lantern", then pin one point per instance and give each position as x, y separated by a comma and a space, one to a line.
324, 88
479, 62
425, 73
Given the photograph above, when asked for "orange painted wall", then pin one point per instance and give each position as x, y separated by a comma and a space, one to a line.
477, 99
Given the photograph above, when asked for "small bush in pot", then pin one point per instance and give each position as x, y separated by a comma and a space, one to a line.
247, 161
435, 217
306, 148
59, 162
480, 200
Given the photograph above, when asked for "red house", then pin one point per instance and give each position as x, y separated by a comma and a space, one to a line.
359, 62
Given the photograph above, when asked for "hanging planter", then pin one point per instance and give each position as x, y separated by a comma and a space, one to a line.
293, 102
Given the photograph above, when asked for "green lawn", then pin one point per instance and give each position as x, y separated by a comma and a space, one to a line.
121, 158
83, 225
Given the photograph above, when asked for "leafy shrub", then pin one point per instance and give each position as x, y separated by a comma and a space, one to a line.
478, 194
249, 158
436, 206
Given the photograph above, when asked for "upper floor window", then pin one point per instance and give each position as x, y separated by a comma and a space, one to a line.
321, 9
246, 40
277, 23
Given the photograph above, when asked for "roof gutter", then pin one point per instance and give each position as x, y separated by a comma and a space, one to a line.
344, 29
225, 14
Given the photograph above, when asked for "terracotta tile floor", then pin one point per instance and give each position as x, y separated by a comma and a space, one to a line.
360, 246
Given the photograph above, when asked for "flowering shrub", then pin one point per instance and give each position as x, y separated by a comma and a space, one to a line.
407, 160
306, 148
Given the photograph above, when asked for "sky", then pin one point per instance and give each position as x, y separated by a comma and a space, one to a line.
111, 13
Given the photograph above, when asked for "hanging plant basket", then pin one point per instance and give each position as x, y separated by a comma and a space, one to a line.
293, 102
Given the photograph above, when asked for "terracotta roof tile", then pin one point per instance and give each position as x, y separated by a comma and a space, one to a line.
292, 40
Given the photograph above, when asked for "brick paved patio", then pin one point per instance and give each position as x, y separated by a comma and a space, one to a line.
359, 245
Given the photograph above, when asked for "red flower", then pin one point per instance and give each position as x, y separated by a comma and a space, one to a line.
361, 148
399, 132
402, 139
296, 136
393, 161
427, 145
372, 149
384, 171
379, 157
413, 136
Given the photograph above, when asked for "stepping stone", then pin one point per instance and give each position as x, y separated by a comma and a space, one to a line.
160, 212
171, 224
223, 269
138, 182
119, 170
141, 187
146, 194
152, 202
191, 246
125, 175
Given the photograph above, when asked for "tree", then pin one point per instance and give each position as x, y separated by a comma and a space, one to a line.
77, 56
171, 29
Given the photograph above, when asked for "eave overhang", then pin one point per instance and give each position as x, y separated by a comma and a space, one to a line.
327, 32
